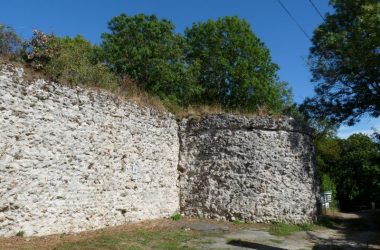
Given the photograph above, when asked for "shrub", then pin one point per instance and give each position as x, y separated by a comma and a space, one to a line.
238, 222
69, 60
40, 49
176, 217
73, 65
10, 42
20, 233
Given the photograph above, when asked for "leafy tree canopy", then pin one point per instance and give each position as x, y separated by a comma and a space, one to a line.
345, 62
146, 49
217, 62
236, 69
353, 165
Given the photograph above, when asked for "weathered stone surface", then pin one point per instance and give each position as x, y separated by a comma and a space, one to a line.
66, 159
74, 159
253, 169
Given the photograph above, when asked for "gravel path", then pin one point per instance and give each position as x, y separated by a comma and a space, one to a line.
349, 231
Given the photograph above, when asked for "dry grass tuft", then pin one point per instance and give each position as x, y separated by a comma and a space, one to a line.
194, 111
204, 110
132, 92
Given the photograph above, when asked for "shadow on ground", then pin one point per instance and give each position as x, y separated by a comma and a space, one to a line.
359, 230
247, 244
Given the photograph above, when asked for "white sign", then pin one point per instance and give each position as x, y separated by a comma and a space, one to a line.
135, 173
327, 196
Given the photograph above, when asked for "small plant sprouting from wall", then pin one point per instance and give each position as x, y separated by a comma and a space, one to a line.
20, 233
176, 217
237, 222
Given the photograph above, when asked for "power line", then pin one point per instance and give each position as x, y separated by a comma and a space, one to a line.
317, 10
294, 20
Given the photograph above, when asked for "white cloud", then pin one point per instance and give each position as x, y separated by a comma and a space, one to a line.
346, 134
366, 126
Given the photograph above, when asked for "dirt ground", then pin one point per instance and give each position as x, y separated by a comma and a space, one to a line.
344, 231
359, 230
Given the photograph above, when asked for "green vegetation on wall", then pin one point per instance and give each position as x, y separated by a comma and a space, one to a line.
73, 64
221, 64
69, 60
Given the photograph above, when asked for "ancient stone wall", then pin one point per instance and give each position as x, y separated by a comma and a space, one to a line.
252, 169
74, 159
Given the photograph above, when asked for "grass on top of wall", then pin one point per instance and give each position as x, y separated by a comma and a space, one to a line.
127, 89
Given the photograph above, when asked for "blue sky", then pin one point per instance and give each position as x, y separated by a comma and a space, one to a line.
288, 45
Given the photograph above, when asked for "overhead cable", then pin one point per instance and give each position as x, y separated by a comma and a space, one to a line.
294, 20
317, 10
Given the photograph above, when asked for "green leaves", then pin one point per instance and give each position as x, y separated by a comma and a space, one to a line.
147, 50
236, 68
216, 62
353, 165
70, 60
345, 62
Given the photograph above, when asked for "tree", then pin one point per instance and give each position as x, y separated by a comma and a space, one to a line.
360, 169
10, 42
147, 50
345, 62
217, 62
236, 69
353, 164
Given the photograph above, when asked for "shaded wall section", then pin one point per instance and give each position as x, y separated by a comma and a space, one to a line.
252, 169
